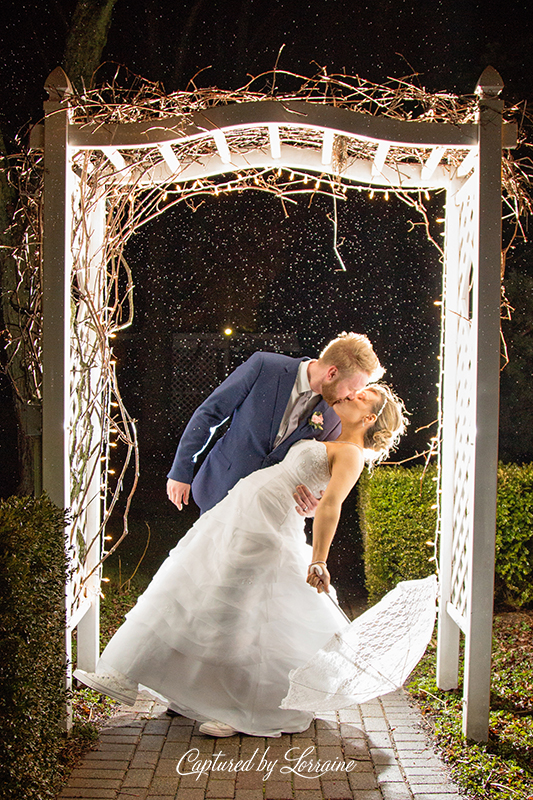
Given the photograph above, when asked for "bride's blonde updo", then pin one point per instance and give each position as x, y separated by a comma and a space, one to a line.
384, 435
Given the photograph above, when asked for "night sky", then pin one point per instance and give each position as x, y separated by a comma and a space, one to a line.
238, 260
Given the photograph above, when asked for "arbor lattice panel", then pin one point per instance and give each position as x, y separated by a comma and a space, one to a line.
462, 293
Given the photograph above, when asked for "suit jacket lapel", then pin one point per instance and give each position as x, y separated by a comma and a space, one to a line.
283, 390
305, 430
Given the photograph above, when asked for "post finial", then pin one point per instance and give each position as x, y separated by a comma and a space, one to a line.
490, 83
58, 85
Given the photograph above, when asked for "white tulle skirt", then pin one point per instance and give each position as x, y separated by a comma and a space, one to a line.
229, 614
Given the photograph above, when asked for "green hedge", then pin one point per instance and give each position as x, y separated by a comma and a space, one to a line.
397, 519
32, 694
514, 535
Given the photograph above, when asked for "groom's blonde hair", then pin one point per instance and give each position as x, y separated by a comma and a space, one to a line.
351, 353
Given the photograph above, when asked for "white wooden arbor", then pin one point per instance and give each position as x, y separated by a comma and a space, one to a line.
299, 135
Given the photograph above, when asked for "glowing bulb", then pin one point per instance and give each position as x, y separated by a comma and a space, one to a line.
228, 331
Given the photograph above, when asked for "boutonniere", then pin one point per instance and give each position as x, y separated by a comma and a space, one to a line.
316, 421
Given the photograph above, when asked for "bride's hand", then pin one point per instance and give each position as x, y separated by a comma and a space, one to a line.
318, 577
307, 502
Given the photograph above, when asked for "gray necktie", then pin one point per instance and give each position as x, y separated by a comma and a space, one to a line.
298, 411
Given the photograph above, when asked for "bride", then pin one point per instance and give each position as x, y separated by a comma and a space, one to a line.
232, 609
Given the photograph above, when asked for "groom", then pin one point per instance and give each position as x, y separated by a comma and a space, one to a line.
273, 401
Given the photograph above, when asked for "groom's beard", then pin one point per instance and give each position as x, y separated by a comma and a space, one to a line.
329, 392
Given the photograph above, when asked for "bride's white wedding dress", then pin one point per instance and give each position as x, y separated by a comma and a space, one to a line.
229, 613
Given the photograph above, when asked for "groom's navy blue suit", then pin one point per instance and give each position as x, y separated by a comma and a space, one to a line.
255, 396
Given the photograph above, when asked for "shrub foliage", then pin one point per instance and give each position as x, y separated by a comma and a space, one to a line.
32, 629
514, 535
398, 519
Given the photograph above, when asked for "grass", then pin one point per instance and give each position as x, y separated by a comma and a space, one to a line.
501, 769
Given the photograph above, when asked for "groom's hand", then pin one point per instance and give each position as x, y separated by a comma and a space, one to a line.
306, 501
178, 493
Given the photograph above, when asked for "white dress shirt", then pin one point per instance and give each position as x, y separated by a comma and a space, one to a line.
301, 404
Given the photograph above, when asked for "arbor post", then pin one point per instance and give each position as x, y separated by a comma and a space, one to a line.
56, 265
487, 301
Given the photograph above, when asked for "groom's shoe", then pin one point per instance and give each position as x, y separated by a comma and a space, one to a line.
214, 728
124, 692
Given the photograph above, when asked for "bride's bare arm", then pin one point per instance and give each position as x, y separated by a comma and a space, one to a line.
346, 466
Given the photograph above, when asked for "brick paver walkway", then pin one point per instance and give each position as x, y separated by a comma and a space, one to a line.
382, 743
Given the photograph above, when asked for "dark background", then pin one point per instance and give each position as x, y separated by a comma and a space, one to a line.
237, 260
